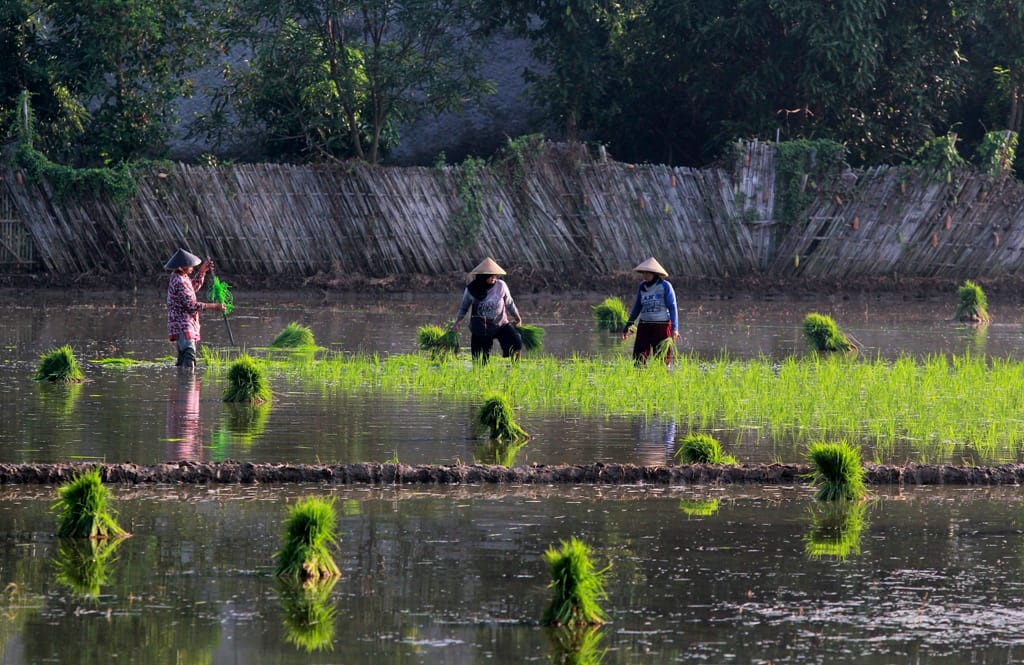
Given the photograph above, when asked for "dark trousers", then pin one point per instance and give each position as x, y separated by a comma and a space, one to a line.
649, 337
508, 337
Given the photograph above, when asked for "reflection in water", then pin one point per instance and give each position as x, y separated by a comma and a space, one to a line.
58, 399
497, 451
700, 507
836, 528
243, 423
183, 428
655, 438
576, 646
308, 613
82, 564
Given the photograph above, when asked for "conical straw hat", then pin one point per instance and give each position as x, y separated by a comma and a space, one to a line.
182, 259
651, 265
487, 267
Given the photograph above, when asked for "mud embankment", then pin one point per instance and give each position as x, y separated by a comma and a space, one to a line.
230, 472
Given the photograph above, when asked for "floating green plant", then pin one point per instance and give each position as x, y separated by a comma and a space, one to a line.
533, 337
577, 586
308, 614
836, 529
611, 315
308, 537
83, 565
702, 449
294, 336
495, 414
972, 305
700, 508
82, 510
59, 366
822, 333
246, 382
836, 470
437, 341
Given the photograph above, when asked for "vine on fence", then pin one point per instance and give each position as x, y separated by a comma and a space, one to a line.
800, 165
466, 223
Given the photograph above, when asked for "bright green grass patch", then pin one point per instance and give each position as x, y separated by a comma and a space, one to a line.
294, 336
119, 363
702, 449
59, 366
308, 537
935, 408
836, 471
83, 511
577, 586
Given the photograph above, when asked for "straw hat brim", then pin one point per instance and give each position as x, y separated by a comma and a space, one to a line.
182, 259
487, 267
651, 265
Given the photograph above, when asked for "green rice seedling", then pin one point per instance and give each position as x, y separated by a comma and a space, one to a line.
438, 341
702, 449
972, 305
309, 534
294, 336
576, 586
579, 645
836, 470
308, 614
700, 508
246, 382
59, 366
533, 337
83, 565
822, 333
836, 530
611, 315
82, 510
495, 414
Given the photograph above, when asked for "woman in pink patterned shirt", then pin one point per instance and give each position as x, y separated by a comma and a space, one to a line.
183, 306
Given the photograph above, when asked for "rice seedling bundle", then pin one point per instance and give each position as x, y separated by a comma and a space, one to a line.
702, 449
294, 336
437, 341
533, 337
496, 415
823, 334
59, 366
610, 315
576, 586
836, 470
309, 534
972, 305
82, 509
220, 292
246, 382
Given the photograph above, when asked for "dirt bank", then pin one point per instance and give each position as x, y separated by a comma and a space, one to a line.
231, 472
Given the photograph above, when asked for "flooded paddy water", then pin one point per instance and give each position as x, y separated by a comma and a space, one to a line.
455, 574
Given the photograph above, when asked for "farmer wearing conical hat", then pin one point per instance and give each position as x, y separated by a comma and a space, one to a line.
182, 305
492, 313
654, 312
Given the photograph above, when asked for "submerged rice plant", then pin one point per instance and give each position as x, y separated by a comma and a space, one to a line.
246, 382
576, 584
59, 366
972, 305
702, 449
437, 341
822, 333
611, 315
294, 336
836, 529
836, 471
309, 534
495, 414
82, 510
533, 337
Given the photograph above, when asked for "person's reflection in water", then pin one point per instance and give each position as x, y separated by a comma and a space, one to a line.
183, 431
655, 440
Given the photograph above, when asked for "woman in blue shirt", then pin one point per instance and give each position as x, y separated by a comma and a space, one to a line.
655, 314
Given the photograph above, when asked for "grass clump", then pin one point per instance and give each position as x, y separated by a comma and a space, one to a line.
294, 336
533, 337
495, 414
82, 510
823, 334
610, 315
437, 341
309, 534
702, 449
246, 382
972, 305
576, 584
59, 366
836, 470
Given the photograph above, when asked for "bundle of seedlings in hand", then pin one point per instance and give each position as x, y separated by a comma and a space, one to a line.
309, 534
611, 315
972, 305
577, 586
823, 334
702, 449
246, 382
82, 510
836, 471
533, 337
438, 341
294, 336
495, 414
220, 292
59, 366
